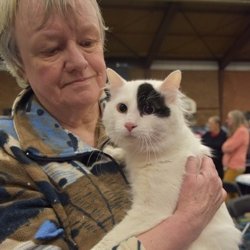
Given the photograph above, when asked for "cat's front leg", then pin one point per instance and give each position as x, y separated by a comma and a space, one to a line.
132, 225
118, 234
117, 153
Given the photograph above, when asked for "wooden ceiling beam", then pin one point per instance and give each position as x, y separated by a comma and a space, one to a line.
160, 34
146, 2
198, 8
123, 44
236, 46
192, 4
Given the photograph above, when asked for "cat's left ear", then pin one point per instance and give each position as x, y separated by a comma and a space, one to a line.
171, 85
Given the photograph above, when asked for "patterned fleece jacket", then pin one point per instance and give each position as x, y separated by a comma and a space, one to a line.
56, 192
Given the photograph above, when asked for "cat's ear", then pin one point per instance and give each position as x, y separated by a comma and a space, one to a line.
114, 79
171, 85
172, 81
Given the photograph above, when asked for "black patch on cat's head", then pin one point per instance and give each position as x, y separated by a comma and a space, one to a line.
149, 98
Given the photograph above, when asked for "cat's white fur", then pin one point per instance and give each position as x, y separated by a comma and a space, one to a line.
156, 153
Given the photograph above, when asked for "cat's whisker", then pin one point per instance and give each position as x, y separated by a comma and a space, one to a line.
152, 147
147, 148
141, 146
88, 162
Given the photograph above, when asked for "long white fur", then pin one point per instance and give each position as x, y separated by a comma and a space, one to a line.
156, 162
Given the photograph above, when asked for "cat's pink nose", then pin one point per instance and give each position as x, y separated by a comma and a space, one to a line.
130, 126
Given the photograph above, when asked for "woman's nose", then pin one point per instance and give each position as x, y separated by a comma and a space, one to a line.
75, 58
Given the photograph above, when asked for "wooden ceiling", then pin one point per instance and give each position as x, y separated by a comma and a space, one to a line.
142, 31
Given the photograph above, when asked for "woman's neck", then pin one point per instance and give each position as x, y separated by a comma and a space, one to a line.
82, 123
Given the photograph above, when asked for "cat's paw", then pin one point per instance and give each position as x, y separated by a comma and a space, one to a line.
117, 153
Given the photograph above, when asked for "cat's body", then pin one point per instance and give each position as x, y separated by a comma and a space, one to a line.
147, 121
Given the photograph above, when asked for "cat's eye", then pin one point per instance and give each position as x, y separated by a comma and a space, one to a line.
148, 109
121, 107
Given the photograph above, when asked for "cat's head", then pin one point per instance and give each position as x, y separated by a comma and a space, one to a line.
144, 115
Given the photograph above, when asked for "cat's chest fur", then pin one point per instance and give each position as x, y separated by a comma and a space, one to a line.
146, 178
156, 181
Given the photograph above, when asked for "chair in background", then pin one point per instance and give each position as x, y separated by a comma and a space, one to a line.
243, 181
239, 209
232, 188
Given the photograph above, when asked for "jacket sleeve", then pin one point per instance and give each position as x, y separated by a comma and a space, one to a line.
236, 140
27, 220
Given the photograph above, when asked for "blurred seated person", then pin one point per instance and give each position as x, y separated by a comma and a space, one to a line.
214, 139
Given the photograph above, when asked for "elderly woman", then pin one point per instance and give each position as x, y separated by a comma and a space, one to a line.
236, 146
58, 190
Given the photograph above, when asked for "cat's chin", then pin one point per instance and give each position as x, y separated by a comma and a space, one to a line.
127, 143
130, 137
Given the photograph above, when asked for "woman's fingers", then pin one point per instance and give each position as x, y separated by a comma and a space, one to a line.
201, 192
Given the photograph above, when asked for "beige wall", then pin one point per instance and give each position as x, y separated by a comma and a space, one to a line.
202, 86
236, 94
8, 90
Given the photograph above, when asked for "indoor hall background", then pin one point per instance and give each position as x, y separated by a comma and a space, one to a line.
208, 40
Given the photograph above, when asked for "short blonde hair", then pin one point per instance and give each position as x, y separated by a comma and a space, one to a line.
8, 47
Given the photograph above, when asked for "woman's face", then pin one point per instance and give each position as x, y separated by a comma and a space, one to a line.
229, 120
212, 125
62, 59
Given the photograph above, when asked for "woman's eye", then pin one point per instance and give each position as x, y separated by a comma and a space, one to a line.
148, 109
51, 51
88, 44
122, 108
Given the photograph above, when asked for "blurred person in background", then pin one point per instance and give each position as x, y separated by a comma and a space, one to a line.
236, 146
214, 139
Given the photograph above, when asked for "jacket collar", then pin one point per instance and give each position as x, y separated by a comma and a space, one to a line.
39, 133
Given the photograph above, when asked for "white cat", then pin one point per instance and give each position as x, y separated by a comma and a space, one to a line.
146, 119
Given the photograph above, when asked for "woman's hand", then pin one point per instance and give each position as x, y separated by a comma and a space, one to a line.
200, 197
201, 191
